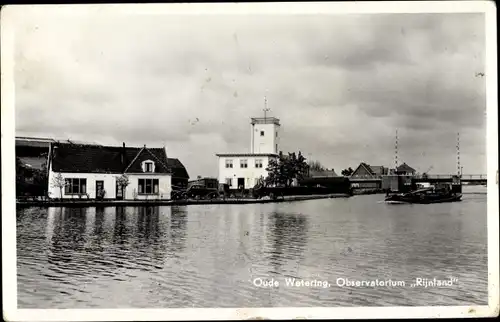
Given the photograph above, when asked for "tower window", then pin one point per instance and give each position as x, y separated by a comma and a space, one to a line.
276, 134
261, 133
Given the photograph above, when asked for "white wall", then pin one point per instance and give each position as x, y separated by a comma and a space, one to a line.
250, 173
266, 143
165, 185
108, 178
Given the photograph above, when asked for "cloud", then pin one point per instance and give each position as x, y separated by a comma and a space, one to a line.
341, 84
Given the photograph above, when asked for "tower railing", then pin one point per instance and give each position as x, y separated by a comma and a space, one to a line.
265, 120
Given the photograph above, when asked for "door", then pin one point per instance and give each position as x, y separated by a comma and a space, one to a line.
119, 192
99, 189
241, 183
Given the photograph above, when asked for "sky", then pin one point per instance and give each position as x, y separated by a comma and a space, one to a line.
340, 84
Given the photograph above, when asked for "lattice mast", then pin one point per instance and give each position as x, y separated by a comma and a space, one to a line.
459, 170
396, 152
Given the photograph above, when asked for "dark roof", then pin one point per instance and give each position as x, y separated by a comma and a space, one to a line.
85, 158
325, 173
378, 169
177, 168
405, 168
23, 141
367, 166
374, 170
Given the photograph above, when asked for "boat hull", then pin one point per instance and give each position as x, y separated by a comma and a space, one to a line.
395, 199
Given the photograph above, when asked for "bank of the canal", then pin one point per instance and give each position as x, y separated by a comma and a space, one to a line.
110, 203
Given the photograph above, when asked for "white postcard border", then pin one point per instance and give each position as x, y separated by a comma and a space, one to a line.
10, 14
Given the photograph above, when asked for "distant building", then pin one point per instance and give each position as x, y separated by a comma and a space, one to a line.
180, 176
405, 169
364, 170
243, 170
33, 152
322, 174
87, 170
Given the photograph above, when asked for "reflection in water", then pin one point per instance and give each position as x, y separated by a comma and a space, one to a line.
288, 235
207, 256
178, 224
120, 234
68, 236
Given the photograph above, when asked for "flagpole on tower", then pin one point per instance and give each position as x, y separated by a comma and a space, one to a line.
266, 109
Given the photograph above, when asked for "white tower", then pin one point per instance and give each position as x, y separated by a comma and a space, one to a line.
265, 135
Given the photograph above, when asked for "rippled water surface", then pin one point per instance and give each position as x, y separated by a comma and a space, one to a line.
208, 256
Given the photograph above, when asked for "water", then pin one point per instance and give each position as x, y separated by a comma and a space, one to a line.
208, 256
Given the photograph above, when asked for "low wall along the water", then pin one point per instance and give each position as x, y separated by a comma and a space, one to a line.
110, 203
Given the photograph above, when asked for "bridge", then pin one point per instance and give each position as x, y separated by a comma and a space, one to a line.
479, 179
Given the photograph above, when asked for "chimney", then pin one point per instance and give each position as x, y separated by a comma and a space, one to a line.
123, 154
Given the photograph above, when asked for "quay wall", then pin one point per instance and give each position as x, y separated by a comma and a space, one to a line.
115, 203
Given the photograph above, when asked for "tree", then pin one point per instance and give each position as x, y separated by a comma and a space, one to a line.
58, 181
40, 176
21, 170
285, 168
347, 172
316, 166
123, 182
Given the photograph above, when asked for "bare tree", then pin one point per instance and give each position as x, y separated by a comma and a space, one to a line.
123, 182
59, 182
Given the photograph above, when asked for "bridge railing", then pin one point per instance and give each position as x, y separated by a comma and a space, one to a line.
446, 176
421, 176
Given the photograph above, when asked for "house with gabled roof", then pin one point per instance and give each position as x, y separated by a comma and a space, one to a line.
93, 171
405, 169
365, 170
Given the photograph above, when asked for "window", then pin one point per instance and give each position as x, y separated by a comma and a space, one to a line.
276, 134
148, 186
243, 163
229, 181
75, 186
261, 133
148, 166
229, 163
258, 163
276, 148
